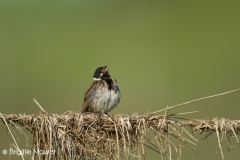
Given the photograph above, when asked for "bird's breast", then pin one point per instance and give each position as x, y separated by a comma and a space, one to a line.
107, 97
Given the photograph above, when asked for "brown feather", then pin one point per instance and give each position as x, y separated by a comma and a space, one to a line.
88, 104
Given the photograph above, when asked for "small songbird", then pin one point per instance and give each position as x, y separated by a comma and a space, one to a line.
103, 95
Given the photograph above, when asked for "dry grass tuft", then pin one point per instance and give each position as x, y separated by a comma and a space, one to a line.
104, 136
78, 136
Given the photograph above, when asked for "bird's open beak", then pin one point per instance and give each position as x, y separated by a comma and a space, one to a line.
104, 69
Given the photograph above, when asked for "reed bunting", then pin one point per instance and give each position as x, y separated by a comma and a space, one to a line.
103, 95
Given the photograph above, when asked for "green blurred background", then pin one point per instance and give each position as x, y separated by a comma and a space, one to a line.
161, 52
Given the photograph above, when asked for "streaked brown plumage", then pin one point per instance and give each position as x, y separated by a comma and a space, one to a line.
103, 95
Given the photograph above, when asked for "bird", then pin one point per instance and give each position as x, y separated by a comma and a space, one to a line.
103, 95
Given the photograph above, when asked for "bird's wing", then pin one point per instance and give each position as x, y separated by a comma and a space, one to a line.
89, 97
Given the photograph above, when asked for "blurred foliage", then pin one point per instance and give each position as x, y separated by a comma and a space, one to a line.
161, 52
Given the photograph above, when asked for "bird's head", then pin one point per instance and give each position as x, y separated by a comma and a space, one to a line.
101, 73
